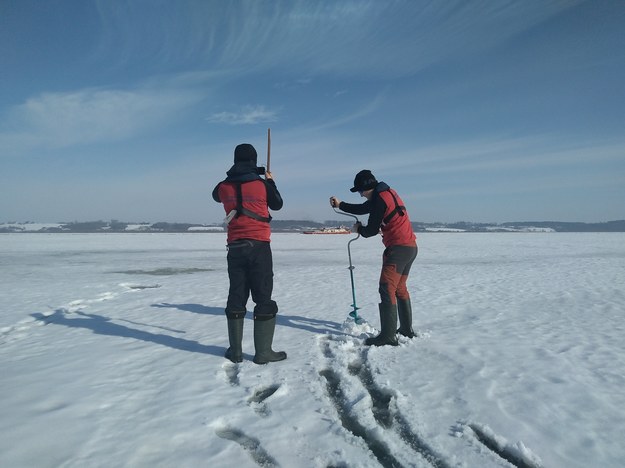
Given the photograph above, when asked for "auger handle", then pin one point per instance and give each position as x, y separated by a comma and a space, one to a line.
351, 216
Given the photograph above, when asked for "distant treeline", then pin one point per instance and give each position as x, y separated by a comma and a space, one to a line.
557, 226
279, 225
610, 226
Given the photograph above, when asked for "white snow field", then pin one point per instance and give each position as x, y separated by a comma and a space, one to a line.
111, 355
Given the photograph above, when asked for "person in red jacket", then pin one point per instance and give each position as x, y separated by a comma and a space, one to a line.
388, 216
247, 198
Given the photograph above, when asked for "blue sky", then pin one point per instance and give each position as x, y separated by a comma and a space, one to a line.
487, 111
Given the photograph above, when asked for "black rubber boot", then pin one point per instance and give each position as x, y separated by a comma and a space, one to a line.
404, 311
388, 323
235, 335
263, 338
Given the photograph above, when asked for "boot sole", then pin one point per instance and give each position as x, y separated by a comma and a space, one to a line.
282, 357
386, 343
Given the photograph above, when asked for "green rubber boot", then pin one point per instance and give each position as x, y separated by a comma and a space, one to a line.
388, 323
235, 336
263, 338
404, 311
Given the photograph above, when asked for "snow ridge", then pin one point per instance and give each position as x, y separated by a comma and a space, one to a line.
388, 435
517, 455
369, 411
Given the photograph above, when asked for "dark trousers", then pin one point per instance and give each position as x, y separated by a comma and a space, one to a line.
250, 270
396, 263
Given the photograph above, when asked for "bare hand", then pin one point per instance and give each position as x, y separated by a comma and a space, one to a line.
268, 175
334, 202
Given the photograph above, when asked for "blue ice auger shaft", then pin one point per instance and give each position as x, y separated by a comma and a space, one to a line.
354, 312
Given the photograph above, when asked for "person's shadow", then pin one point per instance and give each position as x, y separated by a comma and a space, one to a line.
104, 326
294, 321
194, 308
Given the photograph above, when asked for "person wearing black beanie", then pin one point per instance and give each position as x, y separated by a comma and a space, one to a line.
245, 152
389, 217
247, 199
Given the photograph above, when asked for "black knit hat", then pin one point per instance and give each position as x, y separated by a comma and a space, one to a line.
364, 180
245, 152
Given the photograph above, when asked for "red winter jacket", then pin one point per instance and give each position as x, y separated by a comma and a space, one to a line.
258, 196
396, 229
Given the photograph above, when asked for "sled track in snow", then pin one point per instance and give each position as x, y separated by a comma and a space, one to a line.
389, 418
504, 452
351, 423
384, 412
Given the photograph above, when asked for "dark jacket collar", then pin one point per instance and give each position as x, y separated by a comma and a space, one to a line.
243, 171
381, 187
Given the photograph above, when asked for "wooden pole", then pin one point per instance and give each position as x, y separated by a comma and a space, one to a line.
268, 149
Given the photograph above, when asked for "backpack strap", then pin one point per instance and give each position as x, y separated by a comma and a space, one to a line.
398, 210
241, 210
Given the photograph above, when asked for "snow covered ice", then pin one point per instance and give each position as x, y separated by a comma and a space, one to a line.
111, 354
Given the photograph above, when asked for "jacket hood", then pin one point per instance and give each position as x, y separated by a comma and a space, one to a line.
242, 171
381, 187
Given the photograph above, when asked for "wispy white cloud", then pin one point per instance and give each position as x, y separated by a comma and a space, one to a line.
342, 81
499, 154
294, 84
248, 115
58, 120
347, 38
368, 108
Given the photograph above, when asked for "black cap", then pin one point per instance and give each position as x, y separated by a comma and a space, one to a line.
245, 152
364, 180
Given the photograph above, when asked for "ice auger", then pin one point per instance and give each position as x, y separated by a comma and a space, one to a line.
354, 312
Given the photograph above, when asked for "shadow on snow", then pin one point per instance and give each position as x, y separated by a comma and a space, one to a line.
101, 325
294, 321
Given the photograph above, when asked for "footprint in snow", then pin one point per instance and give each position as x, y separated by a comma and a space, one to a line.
249, 444
232, 373
257, 400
